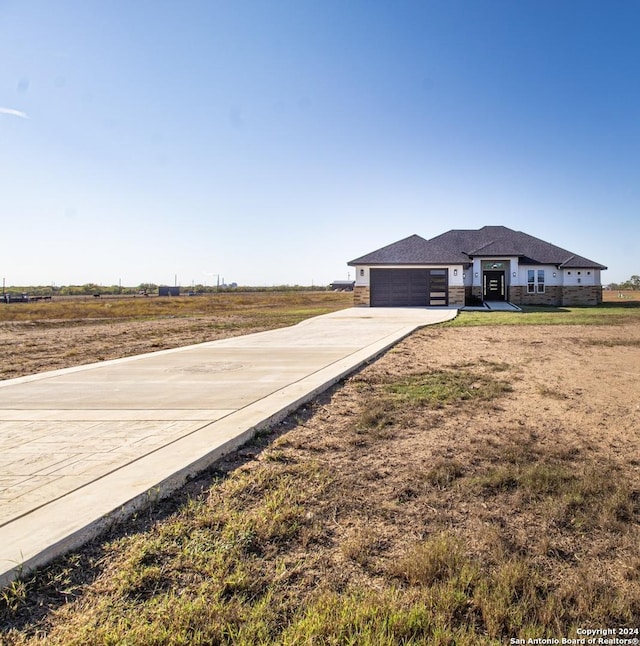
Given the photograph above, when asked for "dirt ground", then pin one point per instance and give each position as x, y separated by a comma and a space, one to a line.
35, 346
575, 405
536, 457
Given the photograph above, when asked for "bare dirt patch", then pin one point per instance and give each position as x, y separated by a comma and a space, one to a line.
75, 331
472, 485
31, 347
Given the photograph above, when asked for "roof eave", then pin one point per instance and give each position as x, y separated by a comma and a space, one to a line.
420, 263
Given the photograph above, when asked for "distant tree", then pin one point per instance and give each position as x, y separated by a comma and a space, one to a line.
635, 281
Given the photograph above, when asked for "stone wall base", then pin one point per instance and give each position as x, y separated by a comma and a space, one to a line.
558, 296
582, 295
361, 296
552, 295
517, 294
456, 296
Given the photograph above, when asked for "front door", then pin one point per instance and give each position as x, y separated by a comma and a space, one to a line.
493, 286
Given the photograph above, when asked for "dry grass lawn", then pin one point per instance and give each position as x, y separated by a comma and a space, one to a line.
474, 484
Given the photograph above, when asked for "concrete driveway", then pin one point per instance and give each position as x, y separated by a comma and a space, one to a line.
83, 447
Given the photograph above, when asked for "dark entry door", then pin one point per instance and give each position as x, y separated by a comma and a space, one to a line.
493, 286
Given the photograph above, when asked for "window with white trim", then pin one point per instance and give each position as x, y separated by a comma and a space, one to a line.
531, 284
535, 281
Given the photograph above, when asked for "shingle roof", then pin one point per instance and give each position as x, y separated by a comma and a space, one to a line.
460, 246
579, 261
413, 250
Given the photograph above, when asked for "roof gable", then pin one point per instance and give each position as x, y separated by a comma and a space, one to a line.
413, 250
394, 253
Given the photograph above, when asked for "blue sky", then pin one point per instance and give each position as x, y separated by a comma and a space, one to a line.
270, 142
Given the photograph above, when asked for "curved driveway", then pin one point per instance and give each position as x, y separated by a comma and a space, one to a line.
82, 447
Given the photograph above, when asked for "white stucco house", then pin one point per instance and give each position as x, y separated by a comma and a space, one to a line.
467, 266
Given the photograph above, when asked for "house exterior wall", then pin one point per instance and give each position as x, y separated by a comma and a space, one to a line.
456, 273
456, 282
561, 286
362, 277
361, 296
552, 275
552, 295
581, 295
457, 295
580, 277
510, 266
552, 291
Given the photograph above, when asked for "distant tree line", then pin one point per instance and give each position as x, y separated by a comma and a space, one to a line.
92, 289
632, 283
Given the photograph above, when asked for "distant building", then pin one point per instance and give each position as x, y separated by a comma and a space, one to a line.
342, 285
164, 290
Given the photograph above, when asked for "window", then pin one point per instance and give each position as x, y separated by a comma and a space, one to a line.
531, 276
493, 264
535, 281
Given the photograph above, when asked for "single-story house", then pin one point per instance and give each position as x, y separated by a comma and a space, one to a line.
465, 266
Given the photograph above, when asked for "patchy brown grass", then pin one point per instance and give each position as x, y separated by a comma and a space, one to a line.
473, 485
618, 295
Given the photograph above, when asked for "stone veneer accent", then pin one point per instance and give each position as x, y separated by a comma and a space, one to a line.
556, 295
456, 296
361, 296
515, 294
582, 295
552, 295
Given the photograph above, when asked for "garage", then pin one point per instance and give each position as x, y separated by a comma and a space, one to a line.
408, 287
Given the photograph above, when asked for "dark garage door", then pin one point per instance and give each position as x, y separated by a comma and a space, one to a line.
408, 287
398, 287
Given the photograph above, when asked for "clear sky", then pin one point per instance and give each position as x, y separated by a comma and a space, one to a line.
271, 142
